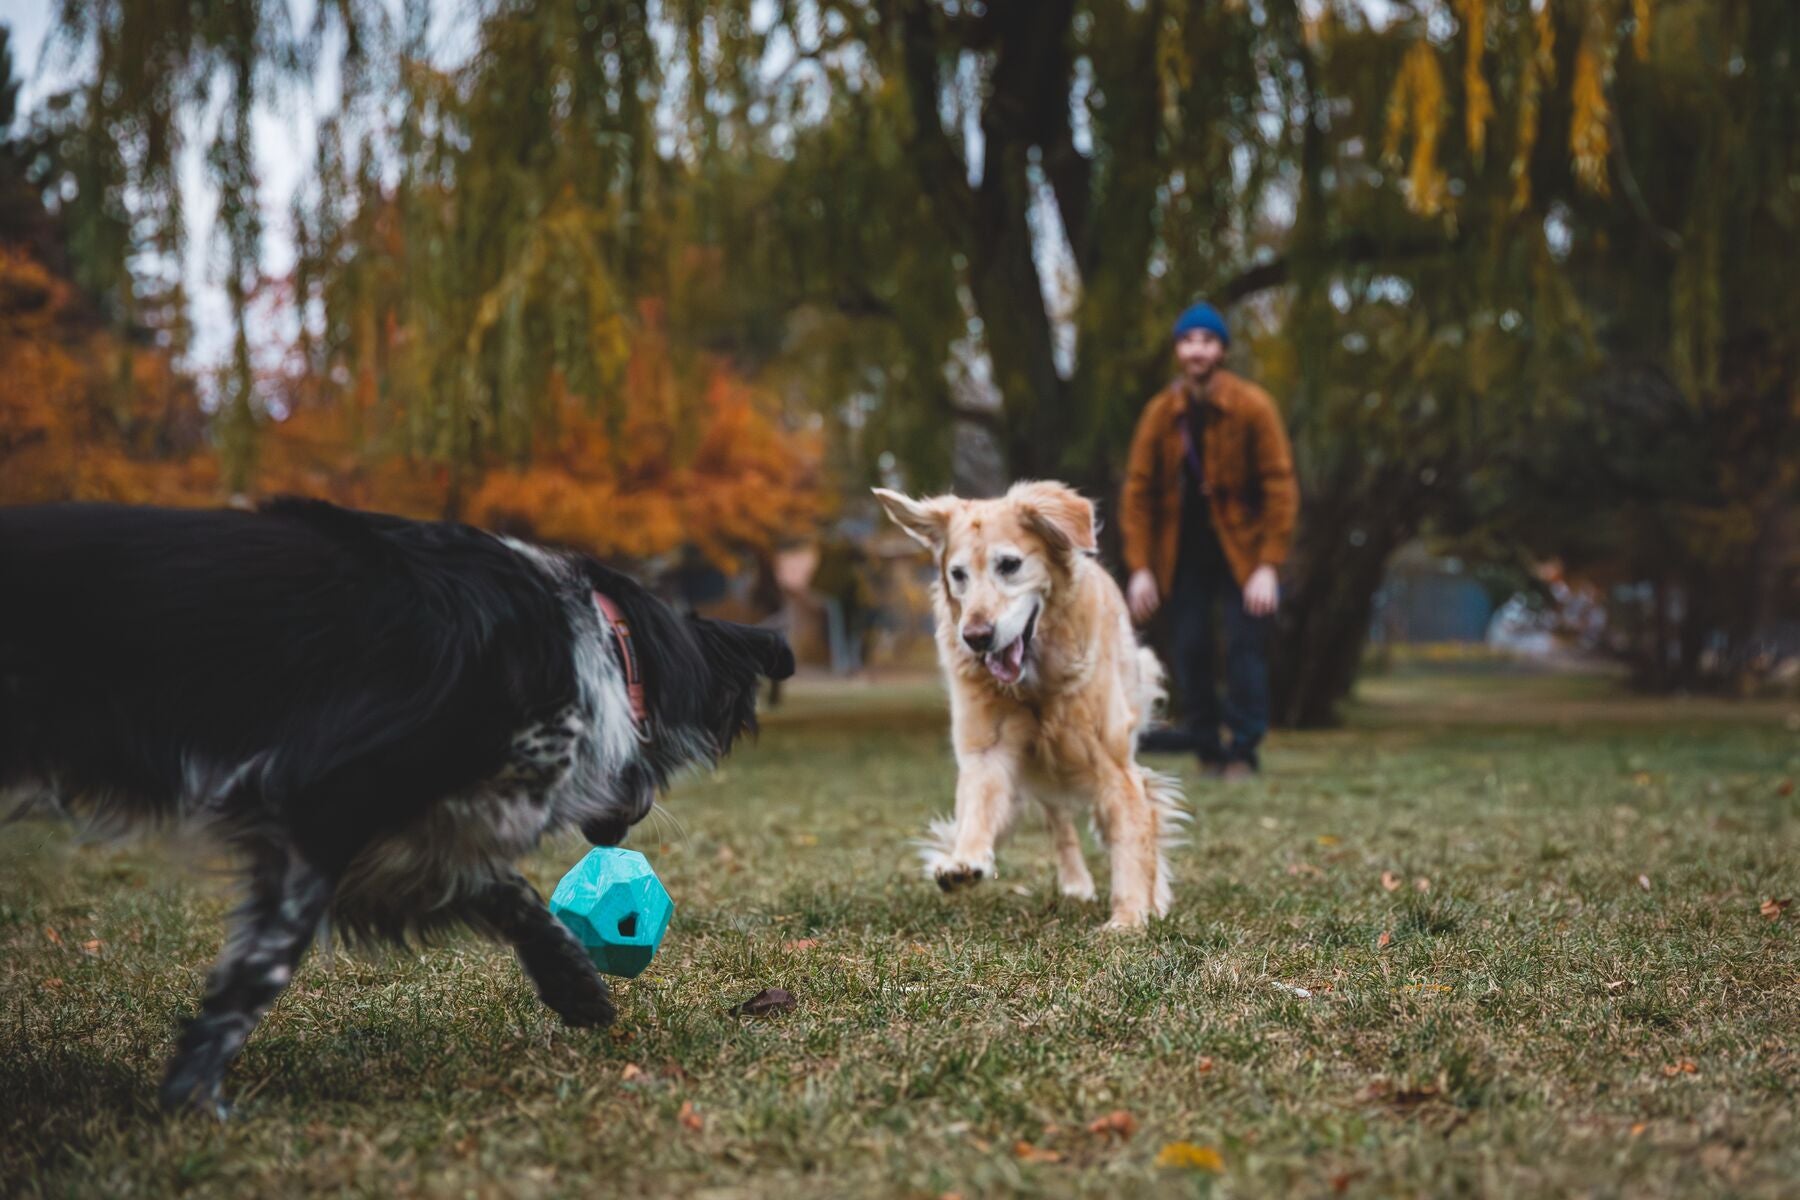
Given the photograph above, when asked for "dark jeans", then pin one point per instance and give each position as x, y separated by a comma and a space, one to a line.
1204, 585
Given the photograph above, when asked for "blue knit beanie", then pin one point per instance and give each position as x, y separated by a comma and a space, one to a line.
1202, 316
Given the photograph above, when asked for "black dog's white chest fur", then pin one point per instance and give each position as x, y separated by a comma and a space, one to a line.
378, 714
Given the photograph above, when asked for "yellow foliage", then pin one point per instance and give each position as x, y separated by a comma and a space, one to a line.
1590, 139
1540, 70
1640, 36
1479, 105
1417, 105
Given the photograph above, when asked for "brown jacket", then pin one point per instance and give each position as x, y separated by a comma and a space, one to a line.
1249, 475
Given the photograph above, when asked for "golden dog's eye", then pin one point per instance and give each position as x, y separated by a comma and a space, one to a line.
1008, 565
958, 576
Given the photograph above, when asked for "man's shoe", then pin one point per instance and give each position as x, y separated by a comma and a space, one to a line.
1237, 771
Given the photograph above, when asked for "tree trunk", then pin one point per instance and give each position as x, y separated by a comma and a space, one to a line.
1339, 560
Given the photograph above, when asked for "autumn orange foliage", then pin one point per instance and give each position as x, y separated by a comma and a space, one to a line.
679, 457
706, 464
83, 417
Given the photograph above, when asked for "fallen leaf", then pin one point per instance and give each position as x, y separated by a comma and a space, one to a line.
92, 945
1305, 868
1684, 1066
1190, 1156
806, 839
1206, 1063
1382, 942
53, 982
1422, 884
769, 1000
1786, 788
55, 937
1326, 839
1638, 1129
1644, 882
1390, 881
1641, 778
1618, 985
1026, 1152
799, 944
1340, 1183
632, 1071
1291, 990
689, 1118
1118, 1123
1773, 908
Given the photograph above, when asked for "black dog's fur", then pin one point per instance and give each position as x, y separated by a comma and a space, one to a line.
379, 714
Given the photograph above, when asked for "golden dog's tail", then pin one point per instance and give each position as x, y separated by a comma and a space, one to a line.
1168, 806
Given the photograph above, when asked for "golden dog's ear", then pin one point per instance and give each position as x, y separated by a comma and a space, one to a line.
1057, 513
927, 522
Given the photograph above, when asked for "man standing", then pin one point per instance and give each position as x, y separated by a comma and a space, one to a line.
1207, 514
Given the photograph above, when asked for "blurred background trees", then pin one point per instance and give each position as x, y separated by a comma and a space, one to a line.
669, 276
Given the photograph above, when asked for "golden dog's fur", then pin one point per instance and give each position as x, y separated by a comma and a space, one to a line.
1048, 692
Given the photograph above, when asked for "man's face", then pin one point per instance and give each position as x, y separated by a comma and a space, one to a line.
1199, 351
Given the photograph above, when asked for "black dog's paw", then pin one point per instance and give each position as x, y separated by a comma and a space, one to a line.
186, 1092
951, 878
592, 1009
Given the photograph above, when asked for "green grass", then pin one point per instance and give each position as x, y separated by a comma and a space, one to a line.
1595, 864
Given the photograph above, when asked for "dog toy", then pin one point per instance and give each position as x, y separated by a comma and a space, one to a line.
616, 907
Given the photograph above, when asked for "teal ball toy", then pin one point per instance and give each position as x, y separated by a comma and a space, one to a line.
616, 907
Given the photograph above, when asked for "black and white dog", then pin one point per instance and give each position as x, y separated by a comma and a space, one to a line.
379, 714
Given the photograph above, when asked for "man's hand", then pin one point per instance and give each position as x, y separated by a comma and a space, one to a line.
1141, 596
1262, 592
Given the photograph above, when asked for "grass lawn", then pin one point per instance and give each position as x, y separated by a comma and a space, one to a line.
1584, 997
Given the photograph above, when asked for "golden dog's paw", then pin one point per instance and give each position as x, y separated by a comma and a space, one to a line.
1083, 891
1126, 923
953, 876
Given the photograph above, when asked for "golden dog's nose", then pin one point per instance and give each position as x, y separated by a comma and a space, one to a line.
980, 637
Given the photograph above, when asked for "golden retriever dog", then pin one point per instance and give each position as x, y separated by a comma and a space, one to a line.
1048, 692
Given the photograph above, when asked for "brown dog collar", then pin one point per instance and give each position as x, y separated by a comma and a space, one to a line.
615, 620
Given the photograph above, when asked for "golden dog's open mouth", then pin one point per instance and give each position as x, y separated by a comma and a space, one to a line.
1007, 664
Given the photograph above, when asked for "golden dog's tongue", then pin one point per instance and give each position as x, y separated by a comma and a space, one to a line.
1008, 664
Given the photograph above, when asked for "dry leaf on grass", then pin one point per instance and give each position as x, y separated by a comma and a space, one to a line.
1326, 839
1684, 1066
92, 945
765, 1002
689, 1118
53, 982
1644, 882
1390, 881
1190, 1156
632, 1071
1422, 884
1618, 985
1117, 1123
799, 944
55, 937
1206, 1063
1382, 942
1638, 1129
1773, 908
1026, 1152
